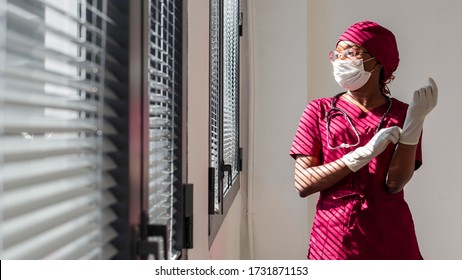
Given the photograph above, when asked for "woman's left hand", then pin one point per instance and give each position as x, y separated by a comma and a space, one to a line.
422, 103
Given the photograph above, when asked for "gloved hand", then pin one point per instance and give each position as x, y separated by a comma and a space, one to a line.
422, 103
358, 158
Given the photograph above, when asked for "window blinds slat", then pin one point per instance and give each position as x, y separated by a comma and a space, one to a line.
85, 248
63, 70
29, 48
31, 14
31, 99
18, 148
21, 17
35, 197
46, 170
41, 76
44, 225
36, 250
28, 200
34, 55
28, 226
73, 18
15, 123
44, 125
43, 245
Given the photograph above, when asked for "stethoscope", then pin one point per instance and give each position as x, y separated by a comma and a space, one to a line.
334, 109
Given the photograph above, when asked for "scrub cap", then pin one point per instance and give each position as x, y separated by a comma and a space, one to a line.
378, 41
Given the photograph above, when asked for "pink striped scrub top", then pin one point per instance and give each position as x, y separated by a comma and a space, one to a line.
357, 218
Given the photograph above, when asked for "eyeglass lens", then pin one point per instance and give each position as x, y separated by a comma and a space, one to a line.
348, 53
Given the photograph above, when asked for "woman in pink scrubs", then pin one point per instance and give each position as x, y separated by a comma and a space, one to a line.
359, 149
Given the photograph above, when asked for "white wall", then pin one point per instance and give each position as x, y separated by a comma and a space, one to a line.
231, 241
429, 40
273, 94
279, 228
198, 119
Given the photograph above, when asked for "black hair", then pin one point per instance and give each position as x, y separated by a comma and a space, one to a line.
384, 81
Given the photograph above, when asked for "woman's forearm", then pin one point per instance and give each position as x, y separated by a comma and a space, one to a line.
401, 167
310, 179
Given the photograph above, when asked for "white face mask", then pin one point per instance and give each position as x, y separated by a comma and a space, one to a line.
350, 74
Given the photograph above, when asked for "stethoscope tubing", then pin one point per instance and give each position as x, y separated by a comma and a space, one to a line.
334, 108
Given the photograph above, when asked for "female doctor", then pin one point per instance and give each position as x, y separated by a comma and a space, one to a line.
359, 149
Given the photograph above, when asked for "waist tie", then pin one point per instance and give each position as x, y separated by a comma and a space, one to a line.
364, 198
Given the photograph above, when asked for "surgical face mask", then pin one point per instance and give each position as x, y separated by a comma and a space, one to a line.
350, 74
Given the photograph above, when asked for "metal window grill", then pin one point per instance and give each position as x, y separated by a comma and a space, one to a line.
230, 88
215, 101
224, 100
165, 123
55, 180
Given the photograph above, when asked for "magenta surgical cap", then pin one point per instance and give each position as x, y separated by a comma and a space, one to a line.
378, 41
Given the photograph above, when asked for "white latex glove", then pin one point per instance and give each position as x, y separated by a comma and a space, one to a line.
422, 103
358, 158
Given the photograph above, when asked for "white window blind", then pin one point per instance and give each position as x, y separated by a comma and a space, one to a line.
55, 177
165, 94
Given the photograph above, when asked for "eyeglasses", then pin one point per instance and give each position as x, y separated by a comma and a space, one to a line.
348, 53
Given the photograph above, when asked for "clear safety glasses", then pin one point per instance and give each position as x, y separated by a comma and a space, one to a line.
346, 54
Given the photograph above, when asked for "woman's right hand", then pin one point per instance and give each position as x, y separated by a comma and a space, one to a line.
358, 158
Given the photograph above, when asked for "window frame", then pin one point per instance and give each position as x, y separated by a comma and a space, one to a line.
146, 233
219, 170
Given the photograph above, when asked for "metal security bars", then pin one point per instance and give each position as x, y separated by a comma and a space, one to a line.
55, 161
215, 187
165, 196
230, 82
224, 102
